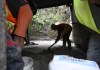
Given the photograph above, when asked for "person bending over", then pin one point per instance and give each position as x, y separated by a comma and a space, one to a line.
64, 31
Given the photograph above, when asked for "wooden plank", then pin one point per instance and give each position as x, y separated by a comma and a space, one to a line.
2, 37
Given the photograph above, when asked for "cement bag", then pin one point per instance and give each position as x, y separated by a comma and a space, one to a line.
63, 62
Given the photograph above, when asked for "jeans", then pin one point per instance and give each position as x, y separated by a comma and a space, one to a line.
93, 52
14, 59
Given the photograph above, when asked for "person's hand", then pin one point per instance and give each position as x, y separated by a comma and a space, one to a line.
19, 40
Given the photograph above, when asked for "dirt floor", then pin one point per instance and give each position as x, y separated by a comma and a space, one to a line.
41, 56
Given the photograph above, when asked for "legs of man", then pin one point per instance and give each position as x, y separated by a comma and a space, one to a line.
93, 52
66, 39
27, 41
69, 43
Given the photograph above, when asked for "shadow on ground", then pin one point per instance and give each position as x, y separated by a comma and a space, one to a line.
42, 57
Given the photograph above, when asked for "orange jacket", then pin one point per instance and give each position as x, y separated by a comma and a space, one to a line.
10, 20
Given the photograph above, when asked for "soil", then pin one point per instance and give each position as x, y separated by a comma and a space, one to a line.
42, 57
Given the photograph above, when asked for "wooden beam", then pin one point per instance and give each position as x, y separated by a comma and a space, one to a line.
2, 37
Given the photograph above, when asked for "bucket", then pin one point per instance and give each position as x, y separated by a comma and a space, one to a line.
28, 63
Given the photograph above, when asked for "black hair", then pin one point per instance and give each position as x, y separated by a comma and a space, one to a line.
53, 27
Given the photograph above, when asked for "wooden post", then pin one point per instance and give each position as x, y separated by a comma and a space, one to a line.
2, 37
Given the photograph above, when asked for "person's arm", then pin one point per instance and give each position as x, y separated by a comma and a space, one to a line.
24, 18
58, 37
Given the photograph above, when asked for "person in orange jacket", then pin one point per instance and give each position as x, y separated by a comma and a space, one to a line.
18, 16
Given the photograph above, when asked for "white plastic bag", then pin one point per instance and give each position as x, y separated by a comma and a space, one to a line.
63, 62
